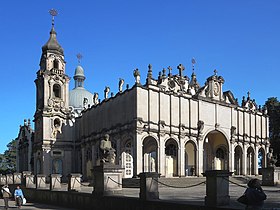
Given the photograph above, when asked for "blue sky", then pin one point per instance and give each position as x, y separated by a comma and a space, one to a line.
239, 38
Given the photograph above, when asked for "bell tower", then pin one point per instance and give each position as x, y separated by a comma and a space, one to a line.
52, 102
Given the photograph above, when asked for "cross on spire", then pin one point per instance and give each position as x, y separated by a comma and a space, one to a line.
215, 72
193, 62
181, 69
79, 56
53, 13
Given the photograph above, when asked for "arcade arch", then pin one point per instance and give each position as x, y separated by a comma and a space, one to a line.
150, 154
216, 151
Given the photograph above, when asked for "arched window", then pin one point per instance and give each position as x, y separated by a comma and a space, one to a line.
55, 64
171, 149
57, 91
220, 153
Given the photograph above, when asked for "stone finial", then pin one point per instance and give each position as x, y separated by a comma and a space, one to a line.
106, 92
181, 69
136, 75
150, 71
163, 73
121, 82
248, 94
169, 71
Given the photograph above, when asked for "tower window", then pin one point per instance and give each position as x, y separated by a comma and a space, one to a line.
55, 64
56, 91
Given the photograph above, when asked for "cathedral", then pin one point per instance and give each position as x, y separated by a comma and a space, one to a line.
171, 124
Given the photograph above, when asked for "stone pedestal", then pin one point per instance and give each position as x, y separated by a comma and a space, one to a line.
149, 186
23, 178
41, 181
55, 181
29, 181
270, 176
10, 179
107, 179
217, 188
74, 182
3, 179
17, 178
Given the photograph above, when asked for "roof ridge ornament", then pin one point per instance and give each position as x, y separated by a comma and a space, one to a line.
53, 13
193, 62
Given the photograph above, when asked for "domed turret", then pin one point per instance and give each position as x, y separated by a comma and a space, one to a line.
80, 98
52, 43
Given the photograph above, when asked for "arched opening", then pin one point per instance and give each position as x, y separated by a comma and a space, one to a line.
88, 163
261, 159
190, 159
215, 152
55, 64
238, 160
150, 155
127, 160
57, 166
171, 155
250, 161
57, 91
38, 166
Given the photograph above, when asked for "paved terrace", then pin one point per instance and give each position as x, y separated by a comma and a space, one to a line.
181, 190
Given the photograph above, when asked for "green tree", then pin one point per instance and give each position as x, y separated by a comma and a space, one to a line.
273, 108
8, 159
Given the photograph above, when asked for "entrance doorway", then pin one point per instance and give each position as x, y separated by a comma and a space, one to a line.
190, 159
150, 155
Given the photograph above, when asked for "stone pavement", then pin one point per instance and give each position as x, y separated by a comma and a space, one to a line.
31, 206
194, 195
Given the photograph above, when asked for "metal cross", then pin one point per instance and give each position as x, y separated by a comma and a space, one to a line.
53, 13
79, 56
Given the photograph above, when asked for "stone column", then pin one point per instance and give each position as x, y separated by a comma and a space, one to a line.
17, 178
217, 187
10, 179
74, 182
29, 181
149, 186
3, 179
41, 181
55, 181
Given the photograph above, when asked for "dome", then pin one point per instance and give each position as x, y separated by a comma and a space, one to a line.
52, 43
77, 98
79, 72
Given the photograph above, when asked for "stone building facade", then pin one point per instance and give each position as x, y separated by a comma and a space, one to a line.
170, 124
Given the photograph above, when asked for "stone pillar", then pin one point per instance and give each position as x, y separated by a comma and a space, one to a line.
149, 186
55, 181
10, 179
107, 179
17, 178
217, 187
270, 176
29, 181
41, 181
74, 182
3, 179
